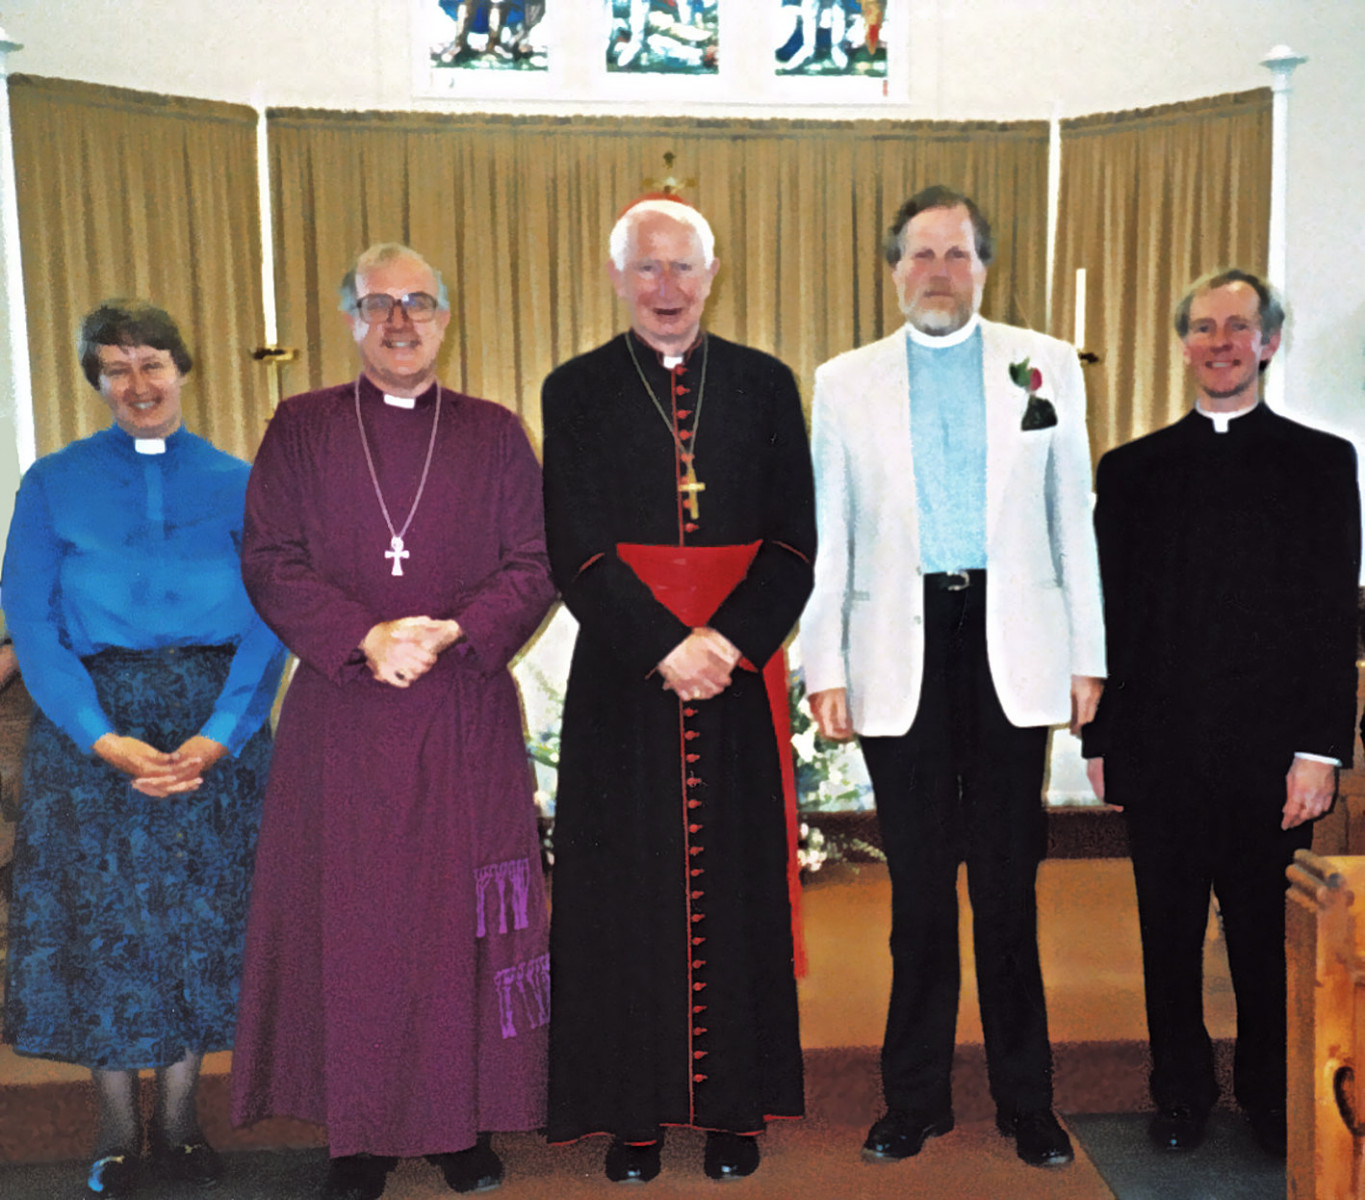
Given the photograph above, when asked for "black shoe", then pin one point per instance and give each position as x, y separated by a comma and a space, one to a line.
1178, 1127
477, 1169
185, 1162
730, 1155
632, 1164
1038, 1137
112, 1175
357, 1177
1269, 1129
901, 1133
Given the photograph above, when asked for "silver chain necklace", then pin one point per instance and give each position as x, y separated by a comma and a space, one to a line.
396, 550
689, 485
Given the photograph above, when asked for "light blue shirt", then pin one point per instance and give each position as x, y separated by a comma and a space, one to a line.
112, 547
948, 433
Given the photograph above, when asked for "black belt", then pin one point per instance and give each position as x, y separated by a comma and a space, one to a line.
955, 581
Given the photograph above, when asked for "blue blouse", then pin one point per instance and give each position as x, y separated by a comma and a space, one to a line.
112, 547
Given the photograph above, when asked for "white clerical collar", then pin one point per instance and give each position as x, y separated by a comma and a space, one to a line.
150, 445
671, 360
943, 341
1221, 419
400, 401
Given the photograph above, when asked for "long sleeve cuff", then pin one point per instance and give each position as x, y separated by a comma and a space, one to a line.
1322, 758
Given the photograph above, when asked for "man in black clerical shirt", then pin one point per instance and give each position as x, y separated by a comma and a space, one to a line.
1229, 550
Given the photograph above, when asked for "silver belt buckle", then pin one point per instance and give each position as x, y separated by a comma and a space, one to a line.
955, 586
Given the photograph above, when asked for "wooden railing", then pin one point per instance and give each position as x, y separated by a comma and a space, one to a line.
1325, 938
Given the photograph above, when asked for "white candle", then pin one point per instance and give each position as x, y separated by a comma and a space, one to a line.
1079, 337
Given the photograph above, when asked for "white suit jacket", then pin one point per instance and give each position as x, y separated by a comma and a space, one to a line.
863, 628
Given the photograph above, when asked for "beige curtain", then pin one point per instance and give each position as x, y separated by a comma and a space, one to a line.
1150, 201
516, 212
130, 194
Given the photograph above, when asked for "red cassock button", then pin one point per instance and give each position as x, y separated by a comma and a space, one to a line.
690, 527
700, 1053
693, 757
694, 829
698, 1078
695, 871
691, 734
698, 1030
697, 987
694, 804
698, 963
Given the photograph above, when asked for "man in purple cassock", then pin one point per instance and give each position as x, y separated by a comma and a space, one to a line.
396, 984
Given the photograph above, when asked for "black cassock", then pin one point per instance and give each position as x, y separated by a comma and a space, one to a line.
673, 993
1229, 562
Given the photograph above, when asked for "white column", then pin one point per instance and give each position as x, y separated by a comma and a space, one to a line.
271, 330
1280, 62
17, 442
1054, 190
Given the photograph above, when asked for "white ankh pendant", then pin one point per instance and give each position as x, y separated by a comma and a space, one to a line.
397, 553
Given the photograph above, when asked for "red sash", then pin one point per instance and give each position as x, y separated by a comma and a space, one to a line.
692, 582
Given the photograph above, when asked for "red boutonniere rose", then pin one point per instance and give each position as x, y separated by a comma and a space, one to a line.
1039, 414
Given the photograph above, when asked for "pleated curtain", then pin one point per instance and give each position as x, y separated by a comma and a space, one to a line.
127, 194
516, 213
1150, 201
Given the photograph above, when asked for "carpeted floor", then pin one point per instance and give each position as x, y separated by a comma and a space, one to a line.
1228, 1166
806, 1160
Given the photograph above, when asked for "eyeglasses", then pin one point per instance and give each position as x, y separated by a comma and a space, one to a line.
375, 307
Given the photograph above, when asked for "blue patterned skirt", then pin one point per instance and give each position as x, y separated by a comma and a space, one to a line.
126, 925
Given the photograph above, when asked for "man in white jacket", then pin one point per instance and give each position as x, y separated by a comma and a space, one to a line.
956, 615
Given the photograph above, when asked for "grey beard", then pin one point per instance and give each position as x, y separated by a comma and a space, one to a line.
937, 323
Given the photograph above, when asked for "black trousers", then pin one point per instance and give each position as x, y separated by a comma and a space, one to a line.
1194, 826
962, 784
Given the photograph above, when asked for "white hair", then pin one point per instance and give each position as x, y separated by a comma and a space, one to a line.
619, 243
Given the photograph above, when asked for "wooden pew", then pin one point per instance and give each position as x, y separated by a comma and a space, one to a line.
1325, 936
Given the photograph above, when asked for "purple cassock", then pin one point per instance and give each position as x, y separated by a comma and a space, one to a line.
396, 982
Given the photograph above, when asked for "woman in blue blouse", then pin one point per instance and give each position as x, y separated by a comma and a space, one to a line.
147, 759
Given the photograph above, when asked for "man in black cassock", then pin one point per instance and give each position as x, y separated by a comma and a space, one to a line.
680, 520
1229, 550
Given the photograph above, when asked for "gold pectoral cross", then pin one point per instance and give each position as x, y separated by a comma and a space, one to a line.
689, 487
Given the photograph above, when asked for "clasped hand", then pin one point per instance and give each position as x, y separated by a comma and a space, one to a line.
160, 773
400, 652
699, 666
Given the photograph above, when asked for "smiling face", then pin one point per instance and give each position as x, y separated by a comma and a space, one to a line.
1224, 347
399, 354
939, 277
665, 281
141, 385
